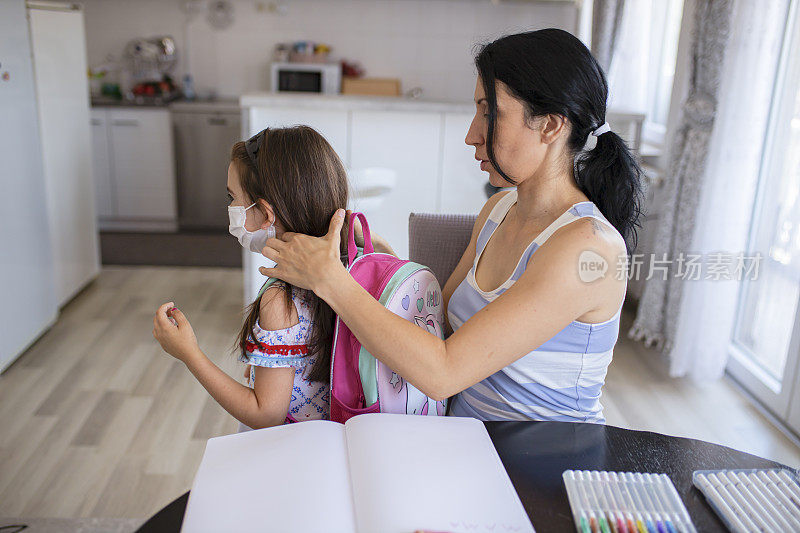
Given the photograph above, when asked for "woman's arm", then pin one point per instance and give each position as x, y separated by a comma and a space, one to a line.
267, 403
546, 298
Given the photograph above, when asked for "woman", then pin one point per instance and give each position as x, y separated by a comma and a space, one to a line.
534, 303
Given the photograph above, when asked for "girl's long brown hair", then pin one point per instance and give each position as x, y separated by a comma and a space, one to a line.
301, 177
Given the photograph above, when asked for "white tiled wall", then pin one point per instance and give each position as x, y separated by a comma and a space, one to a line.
426, 43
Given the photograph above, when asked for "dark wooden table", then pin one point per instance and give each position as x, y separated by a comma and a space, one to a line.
536, 453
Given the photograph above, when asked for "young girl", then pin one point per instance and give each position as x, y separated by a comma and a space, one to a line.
281, 180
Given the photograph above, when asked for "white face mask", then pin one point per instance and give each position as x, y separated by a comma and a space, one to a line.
250, 240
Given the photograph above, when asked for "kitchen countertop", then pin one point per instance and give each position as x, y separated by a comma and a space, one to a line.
199, 105
216, 105
301, 100
103, 101
352, 101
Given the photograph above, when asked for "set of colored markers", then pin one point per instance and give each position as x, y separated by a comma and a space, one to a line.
625, 502
752, 500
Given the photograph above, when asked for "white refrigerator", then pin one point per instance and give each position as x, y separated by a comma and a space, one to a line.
58, 41
48, 237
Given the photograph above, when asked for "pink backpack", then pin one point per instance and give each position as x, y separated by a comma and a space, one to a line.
359, 382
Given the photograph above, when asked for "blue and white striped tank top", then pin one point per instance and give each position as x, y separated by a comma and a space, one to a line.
561, 379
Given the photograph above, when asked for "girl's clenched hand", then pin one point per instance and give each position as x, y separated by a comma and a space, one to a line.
305, 261
176, 338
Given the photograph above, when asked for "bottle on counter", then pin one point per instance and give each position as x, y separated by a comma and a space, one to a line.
188, 87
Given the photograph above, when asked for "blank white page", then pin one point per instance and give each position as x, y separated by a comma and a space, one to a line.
286, 478
433, 473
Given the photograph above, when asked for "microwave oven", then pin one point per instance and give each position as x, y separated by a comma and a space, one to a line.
325, 78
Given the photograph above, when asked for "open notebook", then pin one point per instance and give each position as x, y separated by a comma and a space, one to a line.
377, 473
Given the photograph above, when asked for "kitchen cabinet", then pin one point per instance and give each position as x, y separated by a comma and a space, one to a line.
463, 182
408, 144
331, 124
143, 164
137, 193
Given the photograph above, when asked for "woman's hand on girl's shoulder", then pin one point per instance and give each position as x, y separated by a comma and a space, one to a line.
174, 333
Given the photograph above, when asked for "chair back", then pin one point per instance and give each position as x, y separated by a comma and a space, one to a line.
438, 241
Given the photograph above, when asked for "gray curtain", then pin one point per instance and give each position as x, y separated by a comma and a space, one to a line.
657, 315
606, 24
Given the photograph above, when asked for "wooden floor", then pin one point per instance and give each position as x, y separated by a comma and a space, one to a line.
97, 421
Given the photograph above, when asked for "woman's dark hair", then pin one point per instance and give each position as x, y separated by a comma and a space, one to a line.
552, 72
298, 173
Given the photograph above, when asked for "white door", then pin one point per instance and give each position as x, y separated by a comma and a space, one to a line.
765, 351
105, 197
463, 181
62, 90
144, 164
409, 144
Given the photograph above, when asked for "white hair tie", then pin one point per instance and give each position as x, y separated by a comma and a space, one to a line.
601, 130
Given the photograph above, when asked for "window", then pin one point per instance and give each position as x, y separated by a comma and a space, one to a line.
664, 30
643, 67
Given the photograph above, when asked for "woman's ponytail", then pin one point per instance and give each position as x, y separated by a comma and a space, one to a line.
610, 177
552, 72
